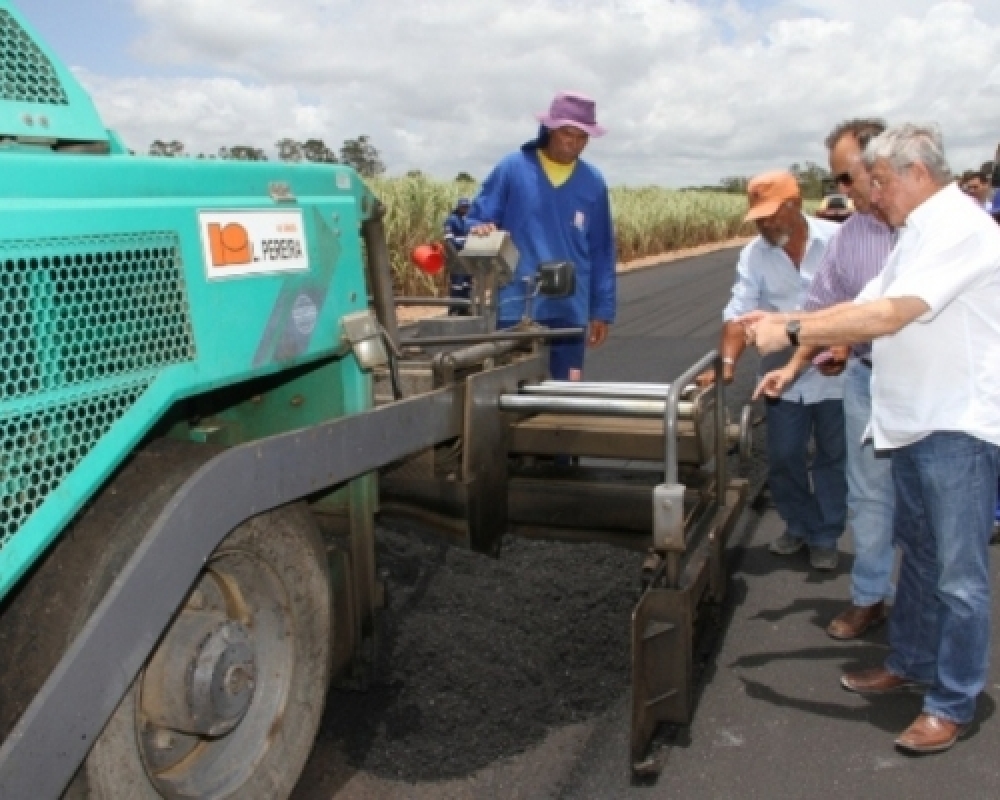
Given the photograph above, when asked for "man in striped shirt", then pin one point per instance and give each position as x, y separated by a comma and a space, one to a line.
855, 255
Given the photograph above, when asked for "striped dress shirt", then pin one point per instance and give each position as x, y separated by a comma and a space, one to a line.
854, 256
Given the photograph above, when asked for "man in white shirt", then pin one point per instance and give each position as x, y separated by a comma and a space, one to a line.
774, 273
932, 315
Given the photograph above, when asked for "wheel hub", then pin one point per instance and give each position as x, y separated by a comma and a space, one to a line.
202, 679
221, 686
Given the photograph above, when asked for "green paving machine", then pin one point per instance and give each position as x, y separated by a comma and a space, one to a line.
204, 399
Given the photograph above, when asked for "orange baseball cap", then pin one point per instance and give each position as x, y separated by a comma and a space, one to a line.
768, 191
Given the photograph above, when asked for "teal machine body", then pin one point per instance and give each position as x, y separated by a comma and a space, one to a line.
131, 284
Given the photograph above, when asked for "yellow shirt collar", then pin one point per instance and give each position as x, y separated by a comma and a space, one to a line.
557, 173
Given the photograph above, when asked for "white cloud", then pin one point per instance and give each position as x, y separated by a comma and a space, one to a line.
691, 91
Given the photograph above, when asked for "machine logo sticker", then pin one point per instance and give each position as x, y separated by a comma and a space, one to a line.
240, 243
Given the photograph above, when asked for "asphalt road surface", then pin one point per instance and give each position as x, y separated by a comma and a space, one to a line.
770, 721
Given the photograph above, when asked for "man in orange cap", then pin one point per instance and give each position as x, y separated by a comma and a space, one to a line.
774, 274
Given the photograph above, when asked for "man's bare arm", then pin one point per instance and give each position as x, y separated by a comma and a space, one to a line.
803, 356
732, 344
847, 323
734, 341
850, 323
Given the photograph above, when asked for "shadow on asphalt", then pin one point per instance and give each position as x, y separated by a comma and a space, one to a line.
821, 611
889, 712
760, 562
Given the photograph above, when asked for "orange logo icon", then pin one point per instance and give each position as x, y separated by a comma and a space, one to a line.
230, 244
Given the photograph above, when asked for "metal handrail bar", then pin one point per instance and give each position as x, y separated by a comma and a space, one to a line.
670, 413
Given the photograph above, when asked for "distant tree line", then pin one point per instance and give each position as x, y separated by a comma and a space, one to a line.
359, 153
814, 180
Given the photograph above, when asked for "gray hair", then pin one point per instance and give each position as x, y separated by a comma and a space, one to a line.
863, 130
905, 145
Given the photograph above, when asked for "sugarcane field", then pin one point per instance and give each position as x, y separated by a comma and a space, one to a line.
615, 416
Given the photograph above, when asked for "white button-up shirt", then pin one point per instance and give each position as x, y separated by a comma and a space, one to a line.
767, 280
942, 371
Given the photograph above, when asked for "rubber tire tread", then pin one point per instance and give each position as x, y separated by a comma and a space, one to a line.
39, 618
58, 597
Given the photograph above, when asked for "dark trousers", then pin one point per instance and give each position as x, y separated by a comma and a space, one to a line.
564, 354
816, 510
459, 288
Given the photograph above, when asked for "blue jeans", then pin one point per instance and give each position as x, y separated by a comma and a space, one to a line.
870, 495
564, 354
939, 629
815, 513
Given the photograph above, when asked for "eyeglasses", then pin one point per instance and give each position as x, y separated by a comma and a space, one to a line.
844, 179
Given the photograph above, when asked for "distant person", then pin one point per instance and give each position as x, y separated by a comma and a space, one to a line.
855, 255
456, 229
963, 181
932, 315
978, 187
774, 274
555, 206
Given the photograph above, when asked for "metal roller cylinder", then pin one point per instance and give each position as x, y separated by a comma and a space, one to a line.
591, 406
571, 389
740, 435
658, 389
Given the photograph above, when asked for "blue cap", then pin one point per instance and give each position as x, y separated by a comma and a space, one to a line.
463, 201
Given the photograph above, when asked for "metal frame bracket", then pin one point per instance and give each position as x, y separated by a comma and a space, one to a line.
668, 517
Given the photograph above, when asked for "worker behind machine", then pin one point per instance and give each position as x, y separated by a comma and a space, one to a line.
456, 229
555, 206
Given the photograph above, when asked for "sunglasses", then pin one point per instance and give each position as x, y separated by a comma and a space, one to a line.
844, 179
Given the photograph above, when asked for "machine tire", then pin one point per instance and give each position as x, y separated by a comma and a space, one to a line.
284, 544
288, 541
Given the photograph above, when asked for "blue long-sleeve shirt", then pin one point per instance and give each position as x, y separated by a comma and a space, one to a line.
571, 222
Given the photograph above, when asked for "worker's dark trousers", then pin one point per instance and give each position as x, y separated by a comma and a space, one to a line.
564, 354
814, 510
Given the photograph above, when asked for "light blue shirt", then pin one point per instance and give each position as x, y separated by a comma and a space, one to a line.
767, 280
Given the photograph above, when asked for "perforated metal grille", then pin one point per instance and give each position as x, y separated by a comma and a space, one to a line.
75, 311
86, 324
38, 449
26, 74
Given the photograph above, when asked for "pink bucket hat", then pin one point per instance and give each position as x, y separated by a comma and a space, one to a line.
571, 108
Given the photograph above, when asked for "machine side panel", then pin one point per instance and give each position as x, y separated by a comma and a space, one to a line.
110, 317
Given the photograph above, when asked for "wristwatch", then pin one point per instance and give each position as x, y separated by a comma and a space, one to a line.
792, 328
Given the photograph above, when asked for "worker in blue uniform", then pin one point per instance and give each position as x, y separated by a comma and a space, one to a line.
555, 207
456, 228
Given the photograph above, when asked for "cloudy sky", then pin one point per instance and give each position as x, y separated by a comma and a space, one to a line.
691, 91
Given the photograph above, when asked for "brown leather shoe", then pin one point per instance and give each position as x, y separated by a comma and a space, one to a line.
877, 680
851, 623
929, 734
